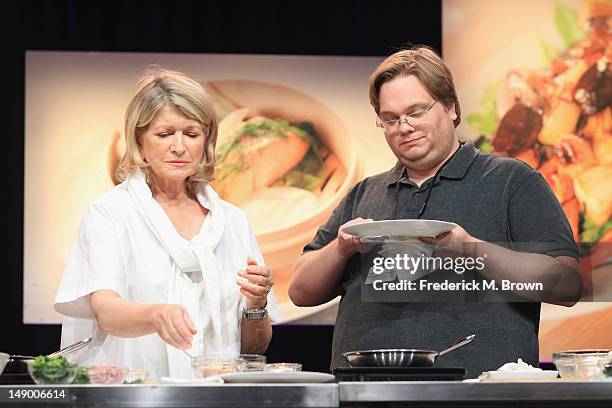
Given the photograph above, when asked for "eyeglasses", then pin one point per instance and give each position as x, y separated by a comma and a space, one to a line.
392, 125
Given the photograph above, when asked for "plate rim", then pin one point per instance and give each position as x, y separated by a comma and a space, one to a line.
409, 221
522, 373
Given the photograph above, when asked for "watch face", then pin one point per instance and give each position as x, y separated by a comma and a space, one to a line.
254, 314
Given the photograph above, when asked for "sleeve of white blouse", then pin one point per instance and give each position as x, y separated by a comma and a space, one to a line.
273, 310
96, 261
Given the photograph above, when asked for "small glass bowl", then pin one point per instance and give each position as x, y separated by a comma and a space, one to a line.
283, 367
206, 366
49, 376
251, 362
580, 364
107, 374
135, 376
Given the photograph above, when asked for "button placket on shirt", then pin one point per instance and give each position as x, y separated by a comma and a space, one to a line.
410, 202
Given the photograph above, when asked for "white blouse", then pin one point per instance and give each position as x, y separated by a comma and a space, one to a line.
127, 243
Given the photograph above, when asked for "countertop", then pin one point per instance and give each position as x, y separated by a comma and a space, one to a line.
358, 394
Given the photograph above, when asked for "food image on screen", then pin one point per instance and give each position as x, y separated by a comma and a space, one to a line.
558, 119
270, 166
279, 157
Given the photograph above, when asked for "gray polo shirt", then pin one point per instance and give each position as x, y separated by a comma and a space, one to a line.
494, 199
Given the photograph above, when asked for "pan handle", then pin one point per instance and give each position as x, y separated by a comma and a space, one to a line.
460, 343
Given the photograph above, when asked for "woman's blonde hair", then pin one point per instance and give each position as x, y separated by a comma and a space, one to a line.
157, 88
427, 66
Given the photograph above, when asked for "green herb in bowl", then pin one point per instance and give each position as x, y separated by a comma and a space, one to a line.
82, 376
51, 370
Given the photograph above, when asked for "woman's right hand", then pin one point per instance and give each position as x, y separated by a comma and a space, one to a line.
173, 324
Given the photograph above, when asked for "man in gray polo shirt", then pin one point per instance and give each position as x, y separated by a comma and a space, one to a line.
492, 199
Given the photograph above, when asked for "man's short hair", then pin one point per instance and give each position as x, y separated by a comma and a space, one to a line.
427, 66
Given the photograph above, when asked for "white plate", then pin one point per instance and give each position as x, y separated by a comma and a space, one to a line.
270, 377
528, 375
400, 228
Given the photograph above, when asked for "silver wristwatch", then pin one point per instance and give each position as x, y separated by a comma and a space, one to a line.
254, 314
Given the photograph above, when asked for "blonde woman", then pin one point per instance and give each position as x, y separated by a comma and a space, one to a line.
161, 264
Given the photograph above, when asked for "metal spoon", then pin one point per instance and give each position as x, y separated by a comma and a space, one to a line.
190, 356
71, 348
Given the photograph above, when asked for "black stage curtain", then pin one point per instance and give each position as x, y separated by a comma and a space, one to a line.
255, 27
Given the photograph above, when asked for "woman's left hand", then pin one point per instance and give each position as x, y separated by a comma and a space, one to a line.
255, 283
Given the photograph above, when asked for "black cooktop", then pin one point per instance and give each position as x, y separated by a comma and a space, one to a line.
357, 374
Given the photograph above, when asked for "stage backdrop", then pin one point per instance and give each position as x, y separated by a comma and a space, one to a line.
534, 83
505, 60
74, 137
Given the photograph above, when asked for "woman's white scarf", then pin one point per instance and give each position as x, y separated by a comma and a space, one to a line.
195, 272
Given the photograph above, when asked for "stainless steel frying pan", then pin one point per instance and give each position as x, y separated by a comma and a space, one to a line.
400, 357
